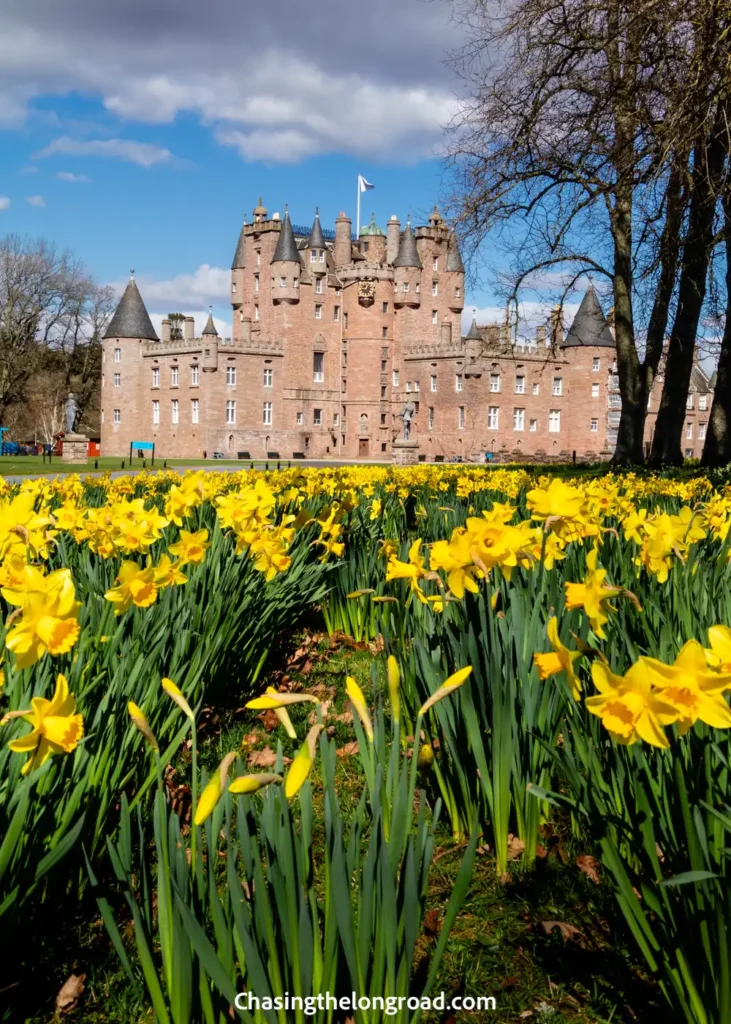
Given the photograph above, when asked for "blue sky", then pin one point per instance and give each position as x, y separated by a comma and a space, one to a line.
140, 135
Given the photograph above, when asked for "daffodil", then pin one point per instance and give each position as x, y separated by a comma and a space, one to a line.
358, 701
692, 688
191, 547
301, 766
253, 783
448, 686
592, 595
561, 659
141, 724
168, 573
213, 790
56, 727
628, 707
48, 616
559, 507
176, 695
394, 682
135, 585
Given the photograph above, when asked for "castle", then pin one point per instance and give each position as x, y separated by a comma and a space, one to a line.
333, 336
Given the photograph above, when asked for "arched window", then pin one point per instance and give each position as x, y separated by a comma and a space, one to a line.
364, 423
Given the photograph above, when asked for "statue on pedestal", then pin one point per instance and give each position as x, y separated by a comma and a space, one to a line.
407, 415
73, 412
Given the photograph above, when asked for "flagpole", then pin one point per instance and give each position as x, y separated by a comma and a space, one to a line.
357, 214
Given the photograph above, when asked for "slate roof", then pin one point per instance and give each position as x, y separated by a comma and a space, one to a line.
454, 258
590, 327
286, 250
131, 319
316, 239
210, 327
408, 254
238, 260
473, 334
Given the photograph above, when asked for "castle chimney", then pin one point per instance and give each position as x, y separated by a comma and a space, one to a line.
245, 332
189, 328
541, 336
165, 329
557, 325
445, 333
393, 237
341, 249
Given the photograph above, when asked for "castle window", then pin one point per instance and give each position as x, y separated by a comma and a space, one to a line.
233, 287
433, 382
317, 417
383, 391
689, 402
318, 286
395, 378
406, 286
436, 263
258, 257
431, 417
336, 312
557, 386
595, 391
689, 432
460, 417
336, 419
266, 414
384, 365
230, 412
383, 419
434, 316
554, 421
318, 311
417, 386
417, 289
268, 377
256, 282
457, 292
520, 385
118, 355
689, 453
458, 382
117, 416
384, 332
435, 289
365, 246
494, 382
194, 376
282, 282
595, 426
408, 385
536, 388
155, 412
256, 312
300, 419
518, 419
318, 367
345, 321
296, 282
595, 364
702, 403
701, 431
493, 417
385, 307
313, 255
231, 375
174, 375
649, 400
118, 380
322, 255
534, 425
194, 407
174, 411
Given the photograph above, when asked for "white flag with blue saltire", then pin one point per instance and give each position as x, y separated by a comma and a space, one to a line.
365, 186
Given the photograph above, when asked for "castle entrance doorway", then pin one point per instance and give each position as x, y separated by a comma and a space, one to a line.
363, 446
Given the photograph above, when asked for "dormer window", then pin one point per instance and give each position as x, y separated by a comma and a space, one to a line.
322, 255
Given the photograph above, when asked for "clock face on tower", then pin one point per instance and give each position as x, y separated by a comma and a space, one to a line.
366, 292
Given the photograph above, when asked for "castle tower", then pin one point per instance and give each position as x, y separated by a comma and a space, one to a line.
341, 249
237, 271
128, 330
286, 265
407, 265
452, 280
590, 350
373, 242
393, 236
210, 328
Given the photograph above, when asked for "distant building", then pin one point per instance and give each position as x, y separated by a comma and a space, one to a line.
333, 335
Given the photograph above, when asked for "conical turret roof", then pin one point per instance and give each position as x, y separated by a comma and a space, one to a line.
131, 319
316, 239
590, 328
408, 254
473, 334
238, 260
210, 327
286, 250
454, 257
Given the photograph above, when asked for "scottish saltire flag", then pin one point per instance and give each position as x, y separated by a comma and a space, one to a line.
363, 185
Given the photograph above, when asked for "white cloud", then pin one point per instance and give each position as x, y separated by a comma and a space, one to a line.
204, 287
4, 202
70, 176
531, 315
35, 200
145, 154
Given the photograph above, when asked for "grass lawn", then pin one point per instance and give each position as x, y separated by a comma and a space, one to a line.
545, 944
31, 464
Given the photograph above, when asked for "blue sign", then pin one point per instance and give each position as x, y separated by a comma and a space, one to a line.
142, 446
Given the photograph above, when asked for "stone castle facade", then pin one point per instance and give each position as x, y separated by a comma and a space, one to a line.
334, 335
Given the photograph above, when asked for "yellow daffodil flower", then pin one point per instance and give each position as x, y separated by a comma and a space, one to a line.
135, 585
691, 688
448, 686
561, 659
628, 707
358, 701
191, 547
48, 616
301, 766
56, 727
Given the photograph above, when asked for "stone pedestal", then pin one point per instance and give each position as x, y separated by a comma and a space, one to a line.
75, 449
405, 453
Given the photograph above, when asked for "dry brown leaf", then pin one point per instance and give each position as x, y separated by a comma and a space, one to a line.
346, 716
268, 719
509, 982
250, 739
515, 847
525, 1014
590, 866
660, 854
432, 923
264, 758
348, 749
567, 930
70, 993
313, 717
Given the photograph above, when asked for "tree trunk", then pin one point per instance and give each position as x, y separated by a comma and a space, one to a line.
708, 166
717, 449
